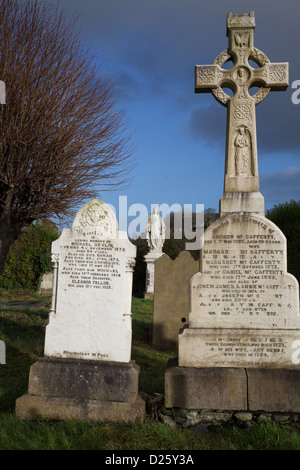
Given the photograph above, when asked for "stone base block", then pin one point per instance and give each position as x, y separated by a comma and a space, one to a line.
213, 388
238, 347
150, 259
232, 202
112, 381
32, 407
205, 388
83, 389
274, 390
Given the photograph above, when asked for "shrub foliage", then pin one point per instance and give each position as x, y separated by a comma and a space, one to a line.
287, 217
29, 257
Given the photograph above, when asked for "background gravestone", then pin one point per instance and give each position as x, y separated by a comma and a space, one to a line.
45, 286
171, 298
86, 371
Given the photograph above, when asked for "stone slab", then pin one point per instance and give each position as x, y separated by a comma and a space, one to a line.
231, 202
243, 389
243, 280
252, 348
205, 388
273, 390
171, 299
32, 407
69, 378
46, 283
90, 315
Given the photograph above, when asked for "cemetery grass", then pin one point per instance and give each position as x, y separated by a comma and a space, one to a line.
22, 330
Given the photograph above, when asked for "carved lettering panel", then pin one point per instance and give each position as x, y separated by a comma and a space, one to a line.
91, 263
243, 282
252, 348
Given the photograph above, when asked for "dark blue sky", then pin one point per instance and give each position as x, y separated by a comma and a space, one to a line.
151, 47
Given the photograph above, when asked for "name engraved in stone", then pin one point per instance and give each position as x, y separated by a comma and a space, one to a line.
251, 347
91, 263
233, 350
243, 276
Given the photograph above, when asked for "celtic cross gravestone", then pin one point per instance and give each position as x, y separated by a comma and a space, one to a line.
240, 347
241, 169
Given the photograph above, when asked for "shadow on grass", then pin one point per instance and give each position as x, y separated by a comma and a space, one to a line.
23, 331
152, 362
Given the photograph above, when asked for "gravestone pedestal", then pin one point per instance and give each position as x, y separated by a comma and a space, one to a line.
232, 389
155, 234
243, 334
86, 372
85, 390
232, 202
150, 259
171, 300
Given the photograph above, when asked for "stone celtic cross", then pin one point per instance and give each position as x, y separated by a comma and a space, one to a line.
241, 172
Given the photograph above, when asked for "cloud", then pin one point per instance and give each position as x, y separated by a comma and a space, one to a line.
152, 46
163, 40
129, 84
208, 124
281, 186
278, 123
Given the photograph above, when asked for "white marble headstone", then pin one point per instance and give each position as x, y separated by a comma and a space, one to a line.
90, 316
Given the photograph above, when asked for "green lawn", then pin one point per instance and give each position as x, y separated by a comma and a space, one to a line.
22, 330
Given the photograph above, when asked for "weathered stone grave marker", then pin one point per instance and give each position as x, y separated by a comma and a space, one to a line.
46, 283
241, 182
240, 350
86, 371
171, 298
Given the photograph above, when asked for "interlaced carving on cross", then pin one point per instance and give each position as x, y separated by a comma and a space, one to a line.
241, 164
